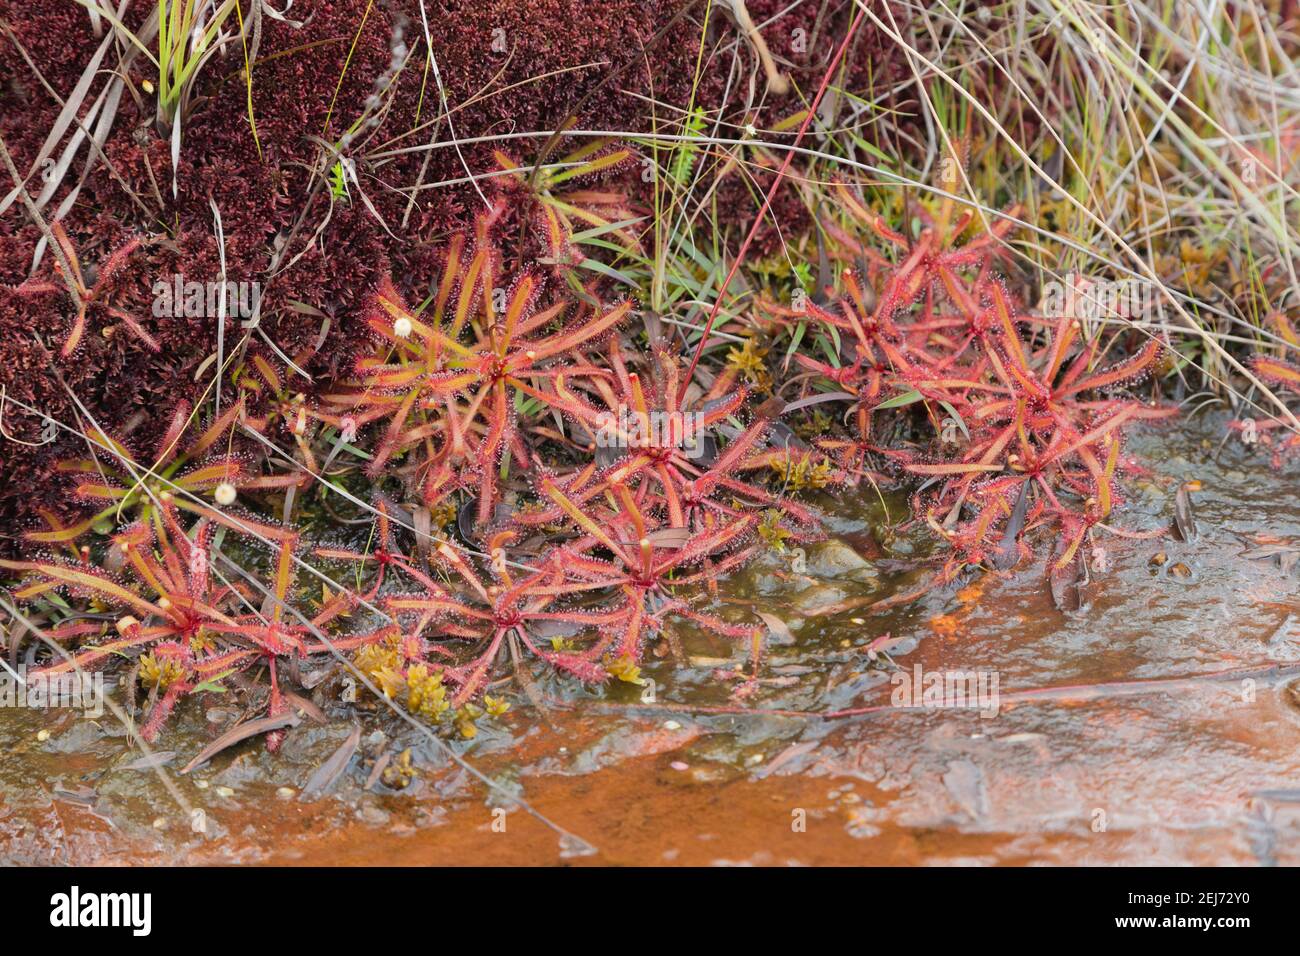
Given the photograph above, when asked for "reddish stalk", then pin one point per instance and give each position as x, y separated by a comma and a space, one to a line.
767, 203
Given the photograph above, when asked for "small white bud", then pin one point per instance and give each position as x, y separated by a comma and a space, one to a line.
402, 328
224, 493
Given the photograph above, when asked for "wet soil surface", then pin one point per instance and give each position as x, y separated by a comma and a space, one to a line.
1160, 724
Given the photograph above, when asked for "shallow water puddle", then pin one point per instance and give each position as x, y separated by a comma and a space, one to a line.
1123, 770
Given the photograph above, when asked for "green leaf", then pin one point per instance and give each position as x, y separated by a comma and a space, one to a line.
338, 187
684, 161
795, 339
211, 685
957, 418
595, 265
588, 234
898, 401
832, 355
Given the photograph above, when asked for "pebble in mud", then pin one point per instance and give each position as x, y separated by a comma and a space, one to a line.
836, 559
218, 716
284, 793
817, 597
400, 772
708, 774
1180, 570
860, 823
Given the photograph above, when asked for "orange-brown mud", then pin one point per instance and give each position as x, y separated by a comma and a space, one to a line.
1194, 771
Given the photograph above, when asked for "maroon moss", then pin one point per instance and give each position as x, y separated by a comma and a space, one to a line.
507, 68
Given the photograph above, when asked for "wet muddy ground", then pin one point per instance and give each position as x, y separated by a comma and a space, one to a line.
1177, 744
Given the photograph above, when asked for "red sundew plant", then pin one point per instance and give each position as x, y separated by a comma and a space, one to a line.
265, 387
547, 197
1020, 406
668, 449
486, 613
646, 562
124, 483
628, 596
85, 296
446, 380
938, 262
905, 333
1035, 420
183, 629
1280, 373
383, 555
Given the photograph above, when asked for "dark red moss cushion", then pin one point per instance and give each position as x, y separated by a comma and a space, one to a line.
508, 66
